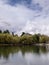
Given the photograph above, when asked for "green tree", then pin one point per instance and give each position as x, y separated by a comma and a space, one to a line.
26, 39
6, 31
0, 31
44, 39
13, 33
22, 33
36, 38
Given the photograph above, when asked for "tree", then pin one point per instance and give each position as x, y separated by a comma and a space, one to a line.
43, 39
22, 33
36, 38
6, 31
13, 33
0, 31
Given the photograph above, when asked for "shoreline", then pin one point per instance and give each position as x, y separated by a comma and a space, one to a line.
47, 44
40, 44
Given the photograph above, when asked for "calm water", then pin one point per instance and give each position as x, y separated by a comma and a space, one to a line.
25, 55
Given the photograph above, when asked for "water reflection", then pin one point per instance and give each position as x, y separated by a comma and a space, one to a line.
24, 55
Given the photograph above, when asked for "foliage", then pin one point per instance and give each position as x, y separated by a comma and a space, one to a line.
0, 31
6, 31
44, 39
36, 38
24, 39
22, 33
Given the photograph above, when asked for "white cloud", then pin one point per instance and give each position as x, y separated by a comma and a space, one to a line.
20, 18
15, 16
38, 26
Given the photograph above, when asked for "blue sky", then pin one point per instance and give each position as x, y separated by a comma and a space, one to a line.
28, 3
31, 16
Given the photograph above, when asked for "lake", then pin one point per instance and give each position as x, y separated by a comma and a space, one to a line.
24, 55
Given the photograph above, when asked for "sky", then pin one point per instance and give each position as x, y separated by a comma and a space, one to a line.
30, 16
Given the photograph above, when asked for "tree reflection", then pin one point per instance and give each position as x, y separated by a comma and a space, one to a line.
6, 51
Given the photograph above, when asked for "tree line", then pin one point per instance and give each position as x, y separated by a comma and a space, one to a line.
23, 39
